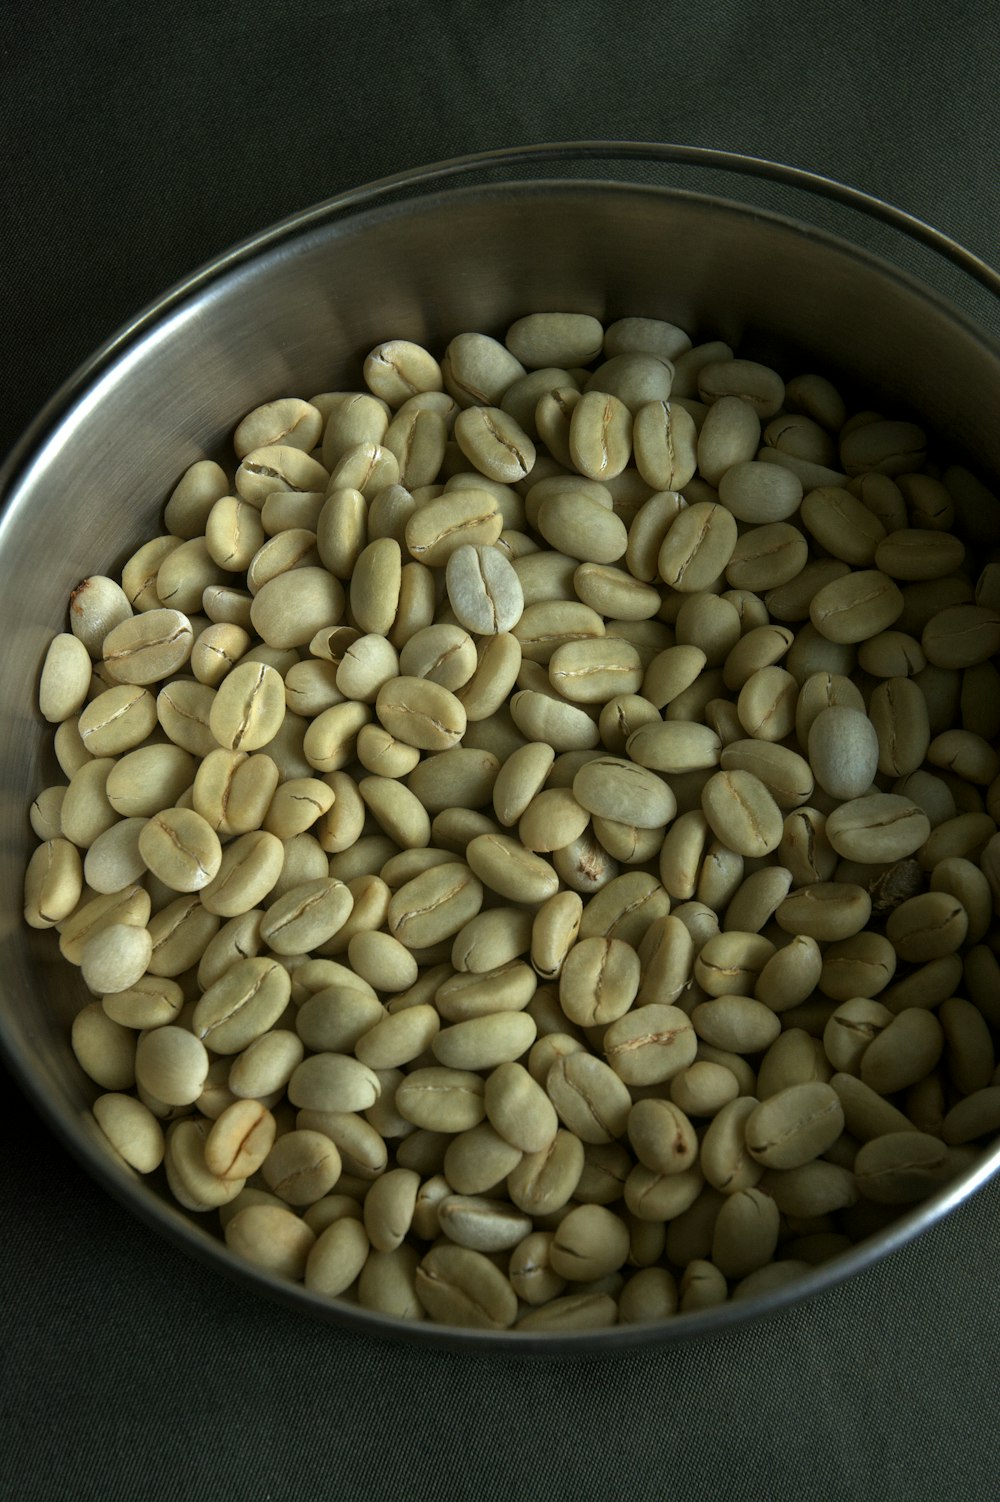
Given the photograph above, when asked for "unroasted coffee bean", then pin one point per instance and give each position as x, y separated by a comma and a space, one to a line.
662, 1136
976, 1116
590, 1242
600, 435
905, 1051
725, 1159
740, 810
745, 1235
697, 548
843, 751
589, 1097
132, 1130
877, 827
650, 1044
508, 869
856, 607
484, 590
248, 708
898, 1168
795, 1125
148, 647
181, 849
460, 1286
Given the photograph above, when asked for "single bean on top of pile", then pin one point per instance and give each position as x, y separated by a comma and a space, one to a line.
528, 826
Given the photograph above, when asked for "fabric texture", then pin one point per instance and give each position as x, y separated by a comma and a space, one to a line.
138, 144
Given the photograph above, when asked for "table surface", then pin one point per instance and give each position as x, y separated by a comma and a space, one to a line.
135, 148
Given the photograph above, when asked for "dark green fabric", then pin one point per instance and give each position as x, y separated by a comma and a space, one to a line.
137, 143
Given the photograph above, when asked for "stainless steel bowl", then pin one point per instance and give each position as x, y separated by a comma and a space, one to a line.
468, 244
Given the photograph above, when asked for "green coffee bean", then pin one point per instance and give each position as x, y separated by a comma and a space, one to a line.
249, 869
240, 1139
968, 1043
736, 1023
905, 1051
760, 493
742, 813
301, 1167
333, 1082
599, 981
653, 1196
898, 1168
272, 1237
697, 547
664, 441
171, 1064
766, 704
703, 1088
899, 715
484, 590
888, 447
503, 865
460, 1286
960, 636
441, 1099
757, 384
590, 1098
977, 1115
188, 1178
145, 648
729, 435
494, 443
468, 994
661, 1136
460, 518
795, 1057
624, 908
242, 1005
600, 435
674, 747
132, 1130
794, 1126
745, 1236
650, 1044
180, 848
116, 957
53, 883
248, 708
616, 788
877, 827
421, 713
554, 928
856, 607
787, 776
843, 751
65, 678
98, 604
702, 1286
927, 927
589, 1242
479, 1043
726, 1162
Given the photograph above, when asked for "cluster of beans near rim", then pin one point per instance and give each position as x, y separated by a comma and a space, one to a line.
529, 829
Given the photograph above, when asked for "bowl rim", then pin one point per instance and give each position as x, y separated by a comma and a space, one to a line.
170, 1220
426, 176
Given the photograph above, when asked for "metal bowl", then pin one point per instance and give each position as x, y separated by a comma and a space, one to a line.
467, 244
